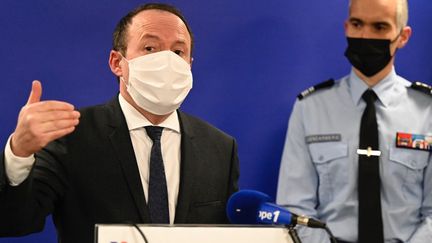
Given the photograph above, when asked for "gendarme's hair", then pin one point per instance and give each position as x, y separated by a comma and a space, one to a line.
121, 30
401, 13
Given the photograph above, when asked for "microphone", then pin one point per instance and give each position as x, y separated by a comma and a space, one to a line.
254, 207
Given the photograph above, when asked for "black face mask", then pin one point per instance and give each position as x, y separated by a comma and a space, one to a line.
369, 56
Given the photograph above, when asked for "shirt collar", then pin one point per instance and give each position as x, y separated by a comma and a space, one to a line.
383, 88
136, 120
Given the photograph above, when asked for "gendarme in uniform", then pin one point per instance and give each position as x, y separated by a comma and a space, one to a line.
319, 168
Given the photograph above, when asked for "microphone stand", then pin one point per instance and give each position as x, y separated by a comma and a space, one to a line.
293, 233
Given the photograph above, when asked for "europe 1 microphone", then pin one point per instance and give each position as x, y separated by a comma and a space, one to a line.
254, 207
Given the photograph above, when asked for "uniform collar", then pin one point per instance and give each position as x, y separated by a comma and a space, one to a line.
136, 120
383, 89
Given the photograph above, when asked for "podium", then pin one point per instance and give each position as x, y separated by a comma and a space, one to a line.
122, 233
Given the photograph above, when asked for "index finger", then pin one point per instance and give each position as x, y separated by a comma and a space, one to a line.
52, 105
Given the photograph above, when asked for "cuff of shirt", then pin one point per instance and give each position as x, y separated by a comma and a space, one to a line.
17, 168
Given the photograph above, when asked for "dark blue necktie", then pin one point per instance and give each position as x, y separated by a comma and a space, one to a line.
157, 190
369, 194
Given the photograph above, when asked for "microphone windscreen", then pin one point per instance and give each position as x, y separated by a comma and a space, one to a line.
243, 206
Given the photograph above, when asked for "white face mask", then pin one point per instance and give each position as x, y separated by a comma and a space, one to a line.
159, 82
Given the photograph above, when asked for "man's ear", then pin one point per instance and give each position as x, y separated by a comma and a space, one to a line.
114, 63
404, 36
346, 26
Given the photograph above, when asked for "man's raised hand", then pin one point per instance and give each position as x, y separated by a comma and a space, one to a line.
40, 122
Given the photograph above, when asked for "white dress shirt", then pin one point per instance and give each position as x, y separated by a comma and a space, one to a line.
170, 145
18, 168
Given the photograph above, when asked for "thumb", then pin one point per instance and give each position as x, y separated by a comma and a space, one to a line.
36, 92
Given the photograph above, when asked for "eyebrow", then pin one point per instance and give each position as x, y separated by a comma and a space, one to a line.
353, 19
149, 36
180, 42
381, 23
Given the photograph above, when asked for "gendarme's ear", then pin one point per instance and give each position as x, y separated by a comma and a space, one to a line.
346, 26
114, 63
404, 36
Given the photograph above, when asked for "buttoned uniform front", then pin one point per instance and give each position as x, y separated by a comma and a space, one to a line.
318, 177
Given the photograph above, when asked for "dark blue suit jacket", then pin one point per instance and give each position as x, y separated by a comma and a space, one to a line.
91, 176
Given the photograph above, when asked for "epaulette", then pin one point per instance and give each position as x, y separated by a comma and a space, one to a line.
326, 84
422, 87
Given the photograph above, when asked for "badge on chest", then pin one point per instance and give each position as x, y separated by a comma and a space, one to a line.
413, 141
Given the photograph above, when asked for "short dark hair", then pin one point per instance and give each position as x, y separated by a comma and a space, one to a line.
120, 31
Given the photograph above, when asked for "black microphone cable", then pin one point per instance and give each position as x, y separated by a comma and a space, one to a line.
293, 233
332, 238
315, 224
141, 233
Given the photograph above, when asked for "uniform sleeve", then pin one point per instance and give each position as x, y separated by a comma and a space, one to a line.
298, 180
424, 231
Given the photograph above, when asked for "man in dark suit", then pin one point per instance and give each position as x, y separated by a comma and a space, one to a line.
98, 165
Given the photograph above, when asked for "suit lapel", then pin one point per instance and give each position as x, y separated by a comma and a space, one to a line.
122, 145
190, 158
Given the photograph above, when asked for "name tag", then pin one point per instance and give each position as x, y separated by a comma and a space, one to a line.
414, 141
320, 138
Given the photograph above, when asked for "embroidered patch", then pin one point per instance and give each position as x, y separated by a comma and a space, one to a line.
323, 138
413, 141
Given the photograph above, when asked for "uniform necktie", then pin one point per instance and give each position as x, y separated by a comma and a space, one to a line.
157, 190
370, 229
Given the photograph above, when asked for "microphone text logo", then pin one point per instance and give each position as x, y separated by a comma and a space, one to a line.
268, 217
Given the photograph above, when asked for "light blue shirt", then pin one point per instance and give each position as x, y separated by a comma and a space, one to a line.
318, 174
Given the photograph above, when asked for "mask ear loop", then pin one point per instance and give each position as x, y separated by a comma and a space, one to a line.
123, 58
397, 37
394, 40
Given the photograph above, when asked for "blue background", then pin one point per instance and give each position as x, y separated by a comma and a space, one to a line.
251, 60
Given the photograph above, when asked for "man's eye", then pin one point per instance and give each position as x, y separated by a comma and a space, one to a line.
380, 27
149, 48
179, 52
356, 24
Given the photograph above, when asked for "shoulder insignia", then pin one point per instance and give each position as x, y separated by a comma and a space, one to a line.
422, 87
326, 84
